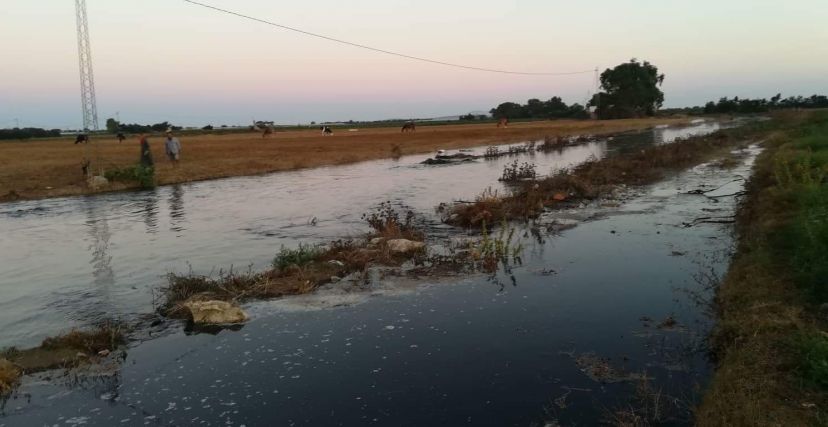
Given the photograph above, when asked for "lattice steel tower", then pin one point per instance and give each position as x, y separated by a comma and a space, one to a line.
87, 80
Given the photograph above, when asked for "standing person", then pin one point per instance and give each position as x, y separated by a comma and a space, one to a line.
146, 154
173, 148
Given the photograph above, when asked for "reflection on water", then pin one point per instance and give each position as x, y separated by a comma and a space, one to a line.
149, 210
135, 238
176, 205
99, 233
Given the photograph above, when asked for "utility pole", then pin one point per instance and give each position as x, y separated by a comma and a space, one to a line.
87, 80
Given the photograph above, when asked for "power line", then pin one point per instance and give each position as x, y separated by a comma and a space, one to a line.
388, 52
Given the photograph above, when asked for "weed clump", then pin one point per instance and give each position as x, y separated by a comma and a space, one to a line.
104, 337
499, 249
300, 257
9, 376
385, 222
514, 172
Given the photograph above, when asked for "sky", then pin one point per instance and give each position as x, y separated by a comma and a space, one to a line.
157, 60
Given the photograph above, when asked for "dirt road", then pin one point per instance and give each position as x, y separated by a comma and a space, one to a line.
52, 167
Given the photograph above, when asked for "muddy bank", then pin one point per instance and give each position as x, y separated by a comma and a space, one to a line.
67, 351
52, 168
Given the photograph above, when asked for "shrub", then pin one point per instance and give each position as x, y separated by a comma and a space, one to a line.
143, 175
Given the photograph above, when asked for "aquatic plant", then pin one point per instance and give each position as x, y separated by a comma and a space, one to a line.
514, 172
386, 223
496, 250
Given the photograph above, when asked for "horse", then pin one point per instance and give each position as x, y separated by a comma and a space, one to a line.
504, 122
326, 130
82, 137
409, 127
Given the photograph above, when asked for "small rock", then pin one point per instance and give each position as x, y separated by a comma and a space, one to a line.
336, 263
335, 279
103, 353
376, 241
402, 246
81, 355
215, 312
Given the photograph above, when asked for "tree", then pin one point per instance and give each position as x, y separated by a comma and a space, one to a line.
508, 110
630, 90
112, 125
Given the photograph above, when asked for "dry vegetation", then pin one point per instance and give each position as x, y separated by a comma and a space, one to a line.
52, 167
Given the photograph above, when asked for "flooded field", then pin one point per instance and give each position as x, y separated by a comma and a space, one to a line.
600, 318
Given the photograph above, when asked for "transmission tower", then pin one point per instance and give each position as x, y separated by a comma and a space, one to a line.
87, 80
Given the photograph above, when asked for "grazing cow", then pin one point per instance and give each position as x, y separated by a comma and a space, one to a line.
326, 130
504, 122
82, 137
121, 137
409, 127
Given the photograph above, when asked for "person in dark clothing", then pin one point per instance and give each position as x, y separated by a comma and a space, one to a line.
146, 154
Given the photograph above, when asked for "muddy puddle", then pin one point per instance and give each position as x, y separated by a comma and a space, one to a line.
615, 299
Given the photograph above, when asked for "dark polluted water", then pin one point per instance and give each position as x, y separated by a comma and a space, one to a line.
73, 261
566, 338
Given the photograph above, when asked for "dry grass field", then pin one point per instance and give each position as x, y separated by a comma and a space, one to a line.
52, 167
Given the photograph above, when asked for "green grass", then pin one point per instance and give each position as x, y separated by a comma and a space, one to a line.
802, 243
770, 339
300, 257
814, 361
144, 175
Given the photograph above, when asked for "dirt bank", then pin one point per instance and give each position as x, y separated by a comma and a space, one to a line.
52, 167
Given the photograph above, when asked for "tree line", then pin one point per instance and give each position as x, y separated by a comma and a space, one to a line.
114, 126
762, 105
27, 133
534, 108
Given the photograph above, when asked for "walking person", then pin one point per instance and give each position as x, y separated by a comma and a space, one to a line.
173, 148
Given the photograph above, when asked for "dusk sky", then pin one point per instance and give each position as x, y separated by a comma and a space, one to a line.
157, 60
